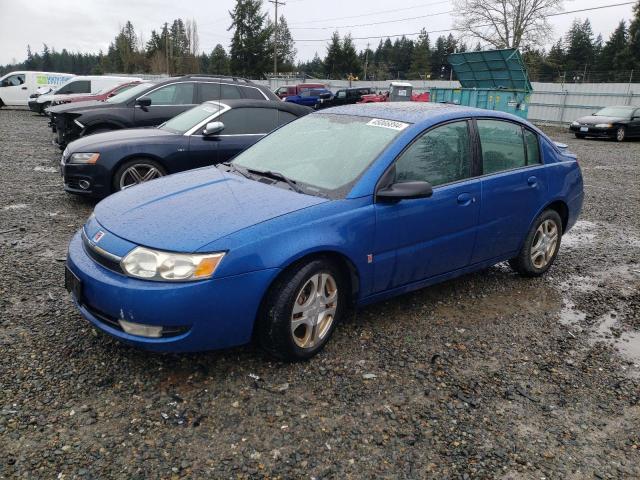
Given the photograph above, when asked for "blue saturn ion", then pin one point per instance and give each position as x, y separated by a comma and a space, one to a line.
340, 208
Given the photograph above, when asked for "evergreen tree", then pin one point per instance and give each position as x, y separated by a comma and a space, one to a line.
286, 46
615, 54
580, 53
219, 61
46, 64
249, 54
334, 56
421, 57
349, 63
634, 37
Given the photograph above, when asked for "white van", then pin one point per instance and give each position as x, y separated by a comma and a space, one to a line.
79, 85
17, 87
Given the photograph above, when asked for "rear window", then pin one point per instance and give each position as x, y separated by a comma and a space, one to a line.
252, 93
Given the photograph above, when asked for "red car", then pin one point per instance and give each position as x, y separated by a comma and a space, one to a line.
398, 92
293, 90
99, 96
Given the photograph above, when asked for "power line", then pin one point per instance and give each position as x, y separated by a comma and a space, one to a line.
374, 23
302, 40
370, 14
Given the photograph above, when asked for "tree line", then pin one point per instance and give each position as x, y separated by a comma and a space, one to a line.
578, 56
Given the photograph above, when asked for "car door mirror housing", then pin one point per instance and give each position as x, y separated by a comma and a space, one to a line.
405, 191
144, 102
213, 128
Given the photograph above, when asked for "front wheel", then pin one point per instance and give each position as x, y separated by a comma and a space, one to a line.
579, 135
135, 172
621, 134
540, 246
301, 310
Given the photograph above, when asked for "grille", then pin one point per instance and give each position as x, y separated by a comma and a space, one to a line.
100, 258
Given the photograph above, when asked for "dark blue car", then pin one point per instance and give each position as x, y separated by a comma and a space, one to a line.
280, 242
310, 98
98, 165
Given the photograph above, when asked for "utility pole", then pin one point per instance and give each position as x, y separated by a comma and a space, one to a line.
366, 62
166, 47
275, 37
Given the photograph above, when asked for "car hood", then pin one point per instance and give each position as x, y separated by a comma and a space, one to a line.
116, 138
595, 119
81, 107
189, 210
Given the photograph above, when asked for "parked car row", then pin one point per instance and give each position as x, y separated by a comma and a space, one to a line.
17, 87
288, 217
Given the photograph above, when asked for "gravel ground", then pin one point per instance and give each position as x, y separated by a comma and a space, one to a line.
487, 376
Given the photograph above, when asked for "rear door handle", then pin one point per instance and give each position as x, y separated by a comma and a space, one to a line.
24, 88
465, 199
532, 181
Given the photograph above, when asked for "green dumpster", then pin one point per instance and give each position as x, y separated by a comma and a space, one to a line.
495, 80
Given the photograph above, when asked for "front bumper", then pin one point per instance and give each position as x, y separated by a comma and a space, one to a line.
205, 315
592, 131
89, 180
35, 106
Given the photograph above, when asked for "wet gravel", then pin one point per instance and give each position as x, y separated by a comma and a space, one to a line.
487, 376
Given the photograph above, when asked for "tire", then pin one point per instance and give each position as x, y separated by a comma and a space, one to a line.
541, 245
124, 176
621, 134
276, 332
43, 107
580, 135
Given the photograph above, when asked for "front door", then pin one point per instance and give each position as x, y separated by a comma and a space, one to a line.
13, 90
166, 102
514, 187
422, 238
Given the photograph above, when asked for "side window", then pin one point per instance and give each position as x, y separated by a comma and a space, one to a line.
175, 94
285, 117
235, 121
229, 92
341, 94
13, 80
439, 156
533, 147
502, 145
260, 120
209, 91
252, 93
81, 86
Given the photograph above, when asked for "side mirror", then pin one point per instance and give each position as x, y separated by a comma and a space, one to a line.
405, 191
212, 128
144, 102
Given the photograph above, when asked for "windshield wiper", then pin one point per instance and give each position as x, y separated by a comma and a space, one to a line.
235, 169
278, 176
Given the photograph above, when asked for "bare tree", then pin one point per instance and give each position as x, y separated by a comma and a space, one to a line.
505, 23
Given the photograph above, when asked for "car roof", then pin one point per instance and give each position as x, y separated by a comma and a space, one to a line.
414, 112
274, 104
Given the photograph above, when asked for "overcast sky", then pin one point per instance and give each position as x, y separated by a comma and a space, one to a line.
90, 25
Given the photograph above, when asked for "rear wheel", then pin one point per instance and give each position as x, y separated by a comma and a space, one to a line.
621, 134
301, 310
135, 172
540, 246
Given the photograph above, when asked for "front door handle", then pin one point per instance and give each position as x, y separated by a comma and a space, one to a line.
532, 181
24, 88
465, 199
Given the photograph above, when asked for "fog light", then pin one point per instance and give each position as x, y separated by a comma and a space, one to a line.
84, 184
141, 330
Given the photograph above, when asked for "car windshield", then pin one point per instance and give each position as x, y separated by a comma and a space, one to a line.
129, 94
624, 112
324, 153
189, 119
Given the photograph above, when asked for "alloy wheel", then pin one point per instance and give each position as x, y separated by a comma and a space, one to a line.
138, 173
620, 134
314, 310
545, 242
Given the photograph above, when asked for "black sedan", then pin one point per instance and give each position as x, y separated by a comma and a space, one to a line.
612, 122
208, 134
149, 104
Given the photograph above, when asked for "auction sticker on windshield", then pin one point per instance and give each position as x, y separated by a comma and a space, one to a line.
379, 122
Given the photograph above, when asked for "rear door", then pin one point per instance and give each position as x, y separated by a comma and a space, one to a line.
514, 187
634, 124
421, 238
167, 101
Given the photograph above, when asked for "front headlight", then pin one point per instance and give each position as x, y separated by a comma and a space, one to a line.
150, 264
603, 125
84, 158
575, 123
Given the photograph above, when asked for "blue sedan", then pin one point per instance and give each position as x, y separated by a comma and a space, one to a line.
280, 242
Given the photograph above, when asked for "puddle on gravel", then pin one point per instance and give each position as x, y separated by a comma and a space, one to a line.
41, 168
15, 206
627, 342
